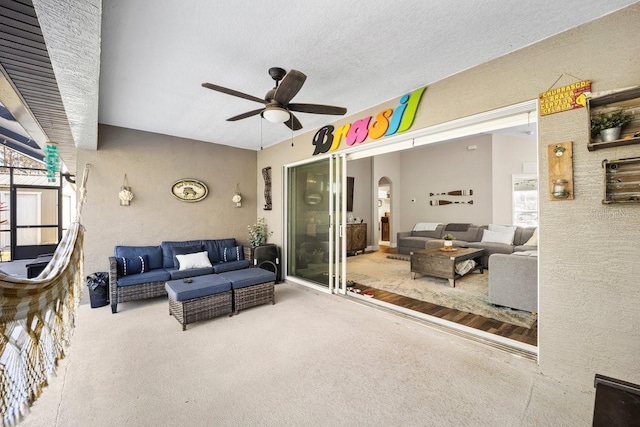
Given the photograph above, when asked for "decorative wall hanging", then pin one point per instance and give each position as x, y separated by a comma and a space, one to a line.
454, 193
125, 195
621, 179
386, 123
189, 190
560, 171
237, 198
448, 202
564, 98
52, 161
266, 174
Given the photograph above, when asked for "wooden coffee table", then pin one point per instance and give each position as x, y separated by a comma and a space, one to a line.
438, 263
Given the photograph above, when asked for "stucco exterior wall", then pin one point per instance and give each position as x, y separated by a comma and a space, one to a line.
152, 163
588, 289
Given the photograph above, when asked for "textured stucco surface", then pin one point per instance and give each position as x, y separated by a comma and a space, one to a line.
152, 163
71, 30
588, 290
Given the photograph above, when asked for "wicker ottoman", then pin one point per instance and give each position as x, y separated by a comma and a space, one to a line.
199, 298
251, 286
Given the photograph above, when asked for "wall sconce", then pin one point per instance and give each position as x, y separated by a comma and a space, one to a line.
237, 198
125, 195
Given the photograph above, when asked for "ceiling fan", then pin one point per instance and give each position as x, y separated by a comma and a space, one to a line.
277, 108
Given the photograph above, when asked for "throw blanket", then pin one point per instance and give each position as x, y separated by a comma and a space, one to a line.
36, 320
457, 227
425, 226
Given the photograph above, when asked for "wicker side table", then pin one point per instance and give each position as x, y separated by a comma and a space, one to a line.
199, 298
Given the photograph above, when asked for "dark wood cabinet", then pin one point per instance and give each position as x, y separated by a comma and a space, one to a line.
356, 238
384, 225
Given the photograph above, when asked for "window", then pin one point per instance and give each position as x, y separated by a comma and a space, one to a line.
525, 200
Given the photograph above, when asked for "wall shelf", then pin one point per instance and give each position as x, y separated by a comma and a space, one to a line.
628, 100
621, 181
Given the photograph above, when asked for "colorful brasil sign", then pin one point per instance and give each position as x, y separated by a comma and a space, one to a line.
387, 123
565, 98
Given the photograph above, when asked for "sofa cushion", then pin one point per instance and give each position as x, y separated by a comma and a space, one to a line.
434, 234
212, 246
470, 234
414, 242
158, 275
196, 260
231, 253
533, 240
504, 237
154, 253
183, 250
192, 272
168, 250
503, 228
249, 277
135, 265
222, 267
202, 286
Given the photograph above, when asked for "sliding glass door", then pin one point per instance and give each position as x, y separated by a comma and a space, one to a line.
316, 217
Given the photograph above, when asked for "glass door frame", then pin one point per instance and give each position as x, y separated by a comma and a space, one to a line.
337, 223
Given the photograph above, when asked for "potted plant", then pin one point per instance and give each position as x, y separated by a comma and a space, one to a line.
258, 233
609, 125
448, 239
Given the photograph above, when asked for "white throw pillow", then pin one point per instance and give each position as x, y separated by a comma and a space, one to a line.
502, 228
196, 260
489, 236
533, 240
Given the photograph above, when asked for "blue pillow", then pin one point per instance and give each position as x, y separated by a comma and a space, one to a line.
231, 253
129, 266
184, 250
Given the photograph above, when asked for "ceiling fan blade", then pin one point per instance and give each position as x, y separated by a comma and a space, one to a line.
318, 109
245, 115
289, 86
233, 92
293, 123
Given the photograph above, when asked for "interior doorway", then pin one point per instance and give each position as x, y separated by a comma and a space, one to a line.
384, 211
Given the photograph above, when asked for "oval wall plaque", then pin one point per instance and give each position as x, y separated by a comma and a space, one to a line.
189, 190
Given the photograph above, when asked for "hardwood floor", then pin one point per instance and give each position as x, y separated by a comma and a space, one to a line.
507, 330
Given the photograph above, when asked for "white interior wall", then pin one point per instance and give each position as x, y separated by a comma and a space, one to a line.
509, 154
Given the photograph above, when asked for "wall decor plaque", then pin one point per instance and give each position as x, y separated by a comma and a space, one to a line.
189, 190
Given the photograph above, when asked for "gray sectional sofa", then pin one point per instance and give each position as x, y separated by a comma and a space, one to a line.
513, 280
137, 272
466, 235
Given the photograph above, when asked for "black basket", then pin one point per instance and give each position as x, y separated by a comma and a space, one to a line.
98, 284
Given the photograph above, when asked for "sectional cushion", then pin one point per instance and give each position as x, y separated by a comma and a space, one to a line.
231, 253
192, 272
158, 275
470, 234
213, 247
135, 265
249, 277
168, 250
505, 237
196, 260
154, 253
222, 267
502, 228
199, 287
183, 250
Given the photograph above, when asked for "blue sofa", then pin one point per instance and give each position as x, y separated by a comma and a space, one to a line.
137, 272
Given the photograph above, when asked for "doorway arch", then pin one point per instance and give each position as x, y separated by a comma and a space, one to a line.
384, 211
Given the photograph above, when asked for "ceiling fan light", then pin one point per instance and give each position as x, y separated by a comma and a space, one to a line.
275, 114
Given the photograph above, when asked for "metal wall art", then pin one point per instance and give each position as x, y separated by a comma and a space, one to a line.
266, 174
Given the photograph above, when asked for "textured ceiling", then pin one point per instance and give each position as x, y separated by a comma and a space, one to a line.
155, 54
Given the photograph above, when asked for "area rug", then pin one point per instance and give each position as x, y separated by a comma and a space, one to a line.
377, 270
